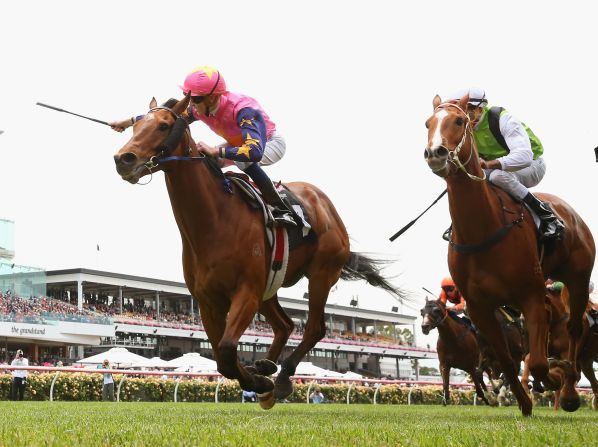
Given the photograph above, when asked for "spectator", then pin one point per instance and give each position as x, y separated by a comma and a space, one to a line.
248, 396
19, 376
316, 396
108, 388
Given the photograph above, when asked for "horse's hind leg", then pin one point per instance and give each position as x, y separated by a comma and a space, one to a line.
578, 288
282, 326
319, 287
488, 325
588, 370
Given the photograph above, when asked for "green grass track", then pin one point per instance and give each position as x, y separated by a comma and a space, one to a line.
193, 424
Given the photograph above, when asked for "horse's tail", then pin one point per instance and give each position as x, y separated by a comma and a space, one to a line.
363, 267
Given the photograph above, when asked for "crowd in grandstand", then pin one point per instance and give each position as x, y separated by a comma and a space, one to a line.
41, 310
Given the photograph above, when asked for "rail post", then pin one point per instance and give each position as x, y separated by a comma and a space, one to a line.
376, 393
176, 388
349, 393
220, 380
119, 386
52, 386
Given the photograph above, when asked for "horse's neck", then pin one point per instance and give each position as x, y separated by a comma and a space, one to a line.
448, 330
195, 195
472, 204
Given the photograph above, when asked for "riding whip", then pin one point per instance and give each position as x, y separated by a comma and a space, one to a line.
406, 227
71, 113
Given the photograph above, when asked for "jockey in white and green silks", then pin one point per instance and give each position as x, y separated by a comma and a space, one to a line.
511, 155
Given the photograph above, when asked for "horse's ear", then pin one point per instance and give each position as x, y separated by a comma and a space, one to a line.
436, 101
182, 105
463, 102
426, 299
153, 103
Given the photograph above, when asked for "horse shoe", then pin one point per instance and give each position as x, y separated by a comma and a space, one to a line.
266, 400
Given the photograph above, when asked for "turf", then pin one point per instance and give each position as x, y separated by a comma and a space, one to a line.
186, 424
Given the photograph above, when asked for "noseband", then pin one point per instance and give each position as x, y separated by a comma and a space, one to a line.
453, 155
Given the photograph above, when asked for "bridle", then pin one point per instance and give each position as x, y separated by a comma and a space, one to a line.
173, 139
453, 155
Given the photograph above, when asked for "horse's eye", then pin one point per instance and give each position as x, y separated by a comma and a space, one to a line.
164, 126
427, 124
459, 121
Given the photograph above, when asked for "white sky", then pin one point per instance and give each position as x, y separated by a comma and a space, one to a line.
349, 84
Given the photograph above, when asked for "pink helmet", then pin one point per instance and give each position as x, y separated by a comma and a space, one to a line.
204, 81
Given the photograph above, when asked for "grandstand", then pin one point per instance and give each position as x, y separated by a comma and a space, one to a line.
87, 311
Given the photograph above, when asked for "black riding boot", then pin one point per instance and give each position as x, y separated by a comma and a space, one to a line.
281, 211
551, 227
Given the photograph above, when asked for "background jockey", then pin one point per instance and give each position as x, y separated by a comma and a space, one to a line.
251, 139
449, 293
511, 155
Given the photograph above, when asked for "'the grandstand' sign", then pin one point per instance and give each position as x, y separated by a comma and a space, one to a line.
60, 331
27, 331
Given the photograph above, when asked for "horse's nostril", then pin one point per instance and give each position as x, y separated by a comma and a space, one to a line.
426, 153
442, 151
128, 158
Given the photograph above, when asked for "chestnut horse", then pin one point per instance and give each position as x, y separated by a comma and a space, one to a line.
558, 340
457, 347
226, 255
494, 258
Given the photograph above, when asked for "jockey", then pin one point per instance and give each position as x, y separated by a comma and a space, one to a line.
450, 293
511, 155
251, 139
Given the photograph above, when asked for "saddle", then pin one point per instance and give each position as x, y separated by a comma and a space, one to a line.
282, 239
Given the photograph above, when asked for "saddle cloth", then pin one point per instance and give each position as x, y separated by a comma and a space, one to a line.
281, 239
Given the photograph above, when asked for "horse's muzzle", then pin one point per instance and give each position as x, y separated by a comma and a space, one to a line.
128, 166
426, 329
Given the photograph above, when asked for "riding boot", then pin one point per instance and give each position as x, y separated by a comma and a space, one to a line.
281, 212
551, 227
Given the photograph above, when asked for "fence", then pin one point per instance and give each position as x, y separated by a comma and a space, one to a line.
312, 380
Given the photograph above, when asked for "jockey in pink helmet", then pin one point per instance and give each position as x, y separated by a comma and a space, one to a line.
250, 136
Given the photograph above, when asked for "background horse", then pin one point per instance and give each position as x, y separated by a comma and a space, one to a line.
494, 258
226, 255
457, 347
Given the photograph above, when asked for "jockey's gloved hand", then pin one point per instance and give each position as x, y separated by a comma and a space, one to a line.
121, 125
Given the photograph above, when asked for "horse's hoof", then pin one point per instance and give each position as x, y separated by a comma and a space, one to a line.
263, 384
265, 367
266, 400
571, 404
283, 389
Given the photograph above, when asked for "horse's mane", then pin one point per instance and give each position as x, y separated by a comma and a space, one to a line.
170, 103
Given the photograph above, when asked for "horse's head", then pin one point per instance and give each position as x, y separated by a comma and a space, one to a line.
448, 128
159, 134
433, 313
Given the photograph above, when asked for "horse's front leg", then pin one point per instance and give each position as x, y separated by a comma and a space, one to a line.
244, 305
445, 371
485, 320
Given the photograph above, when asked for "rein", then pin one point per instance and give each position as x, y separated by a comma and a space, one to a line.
453, 156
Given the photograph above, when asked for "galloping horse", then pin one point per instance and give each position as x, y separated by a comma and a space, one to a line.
494, 256
457, 347
226, 254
